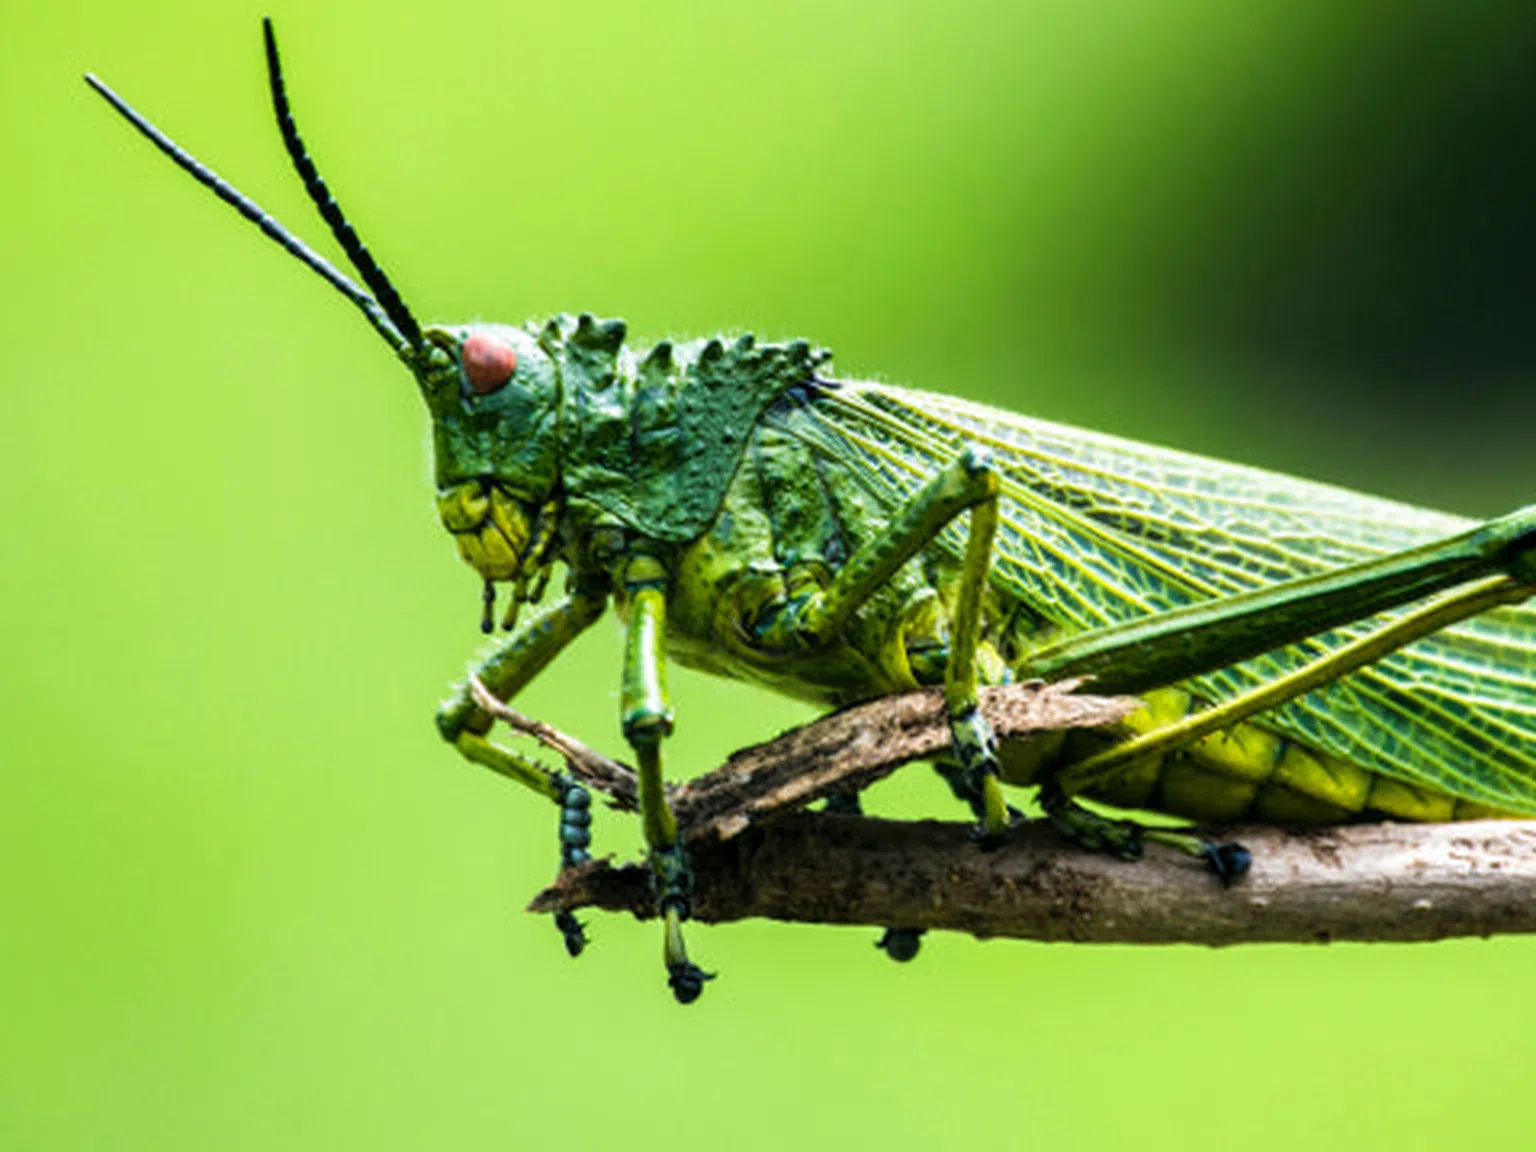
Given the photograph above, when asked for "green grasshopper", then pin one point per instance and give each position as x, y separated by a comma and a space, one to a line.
1305, 654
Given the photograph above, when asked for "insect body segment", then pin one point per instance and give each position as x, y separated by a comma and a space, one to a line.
1248, 773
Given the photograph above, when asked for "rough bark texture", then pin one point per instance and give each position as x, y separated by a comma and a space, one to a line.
854, 748
1362, 882
755, 854
850, 749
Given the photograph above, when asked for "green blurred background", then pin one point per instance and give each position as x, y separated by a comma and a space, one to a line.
250, 901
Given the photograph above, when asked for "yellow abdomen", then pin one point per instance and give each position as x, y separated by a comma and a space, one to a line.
1247, 773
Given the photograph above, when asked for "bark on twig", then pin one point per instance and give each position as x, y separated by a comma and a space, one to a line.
858, 746
850, 749
615, 780
754, 855
1361, 882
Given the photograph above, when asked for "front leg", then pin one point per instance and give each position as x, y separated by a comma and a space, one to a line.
647, 720
504, 672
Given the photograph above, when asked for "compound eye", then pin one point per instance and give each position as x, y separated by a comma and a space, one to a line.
488, 363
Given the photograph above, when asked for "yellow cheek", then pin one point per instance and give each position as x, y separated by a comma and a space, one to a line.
490, 528
489, 553
501, 560
470, 550
508, 516
463, 508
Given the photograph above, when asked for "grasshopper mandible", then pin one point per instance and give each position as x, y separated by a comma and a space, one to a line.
1306, 654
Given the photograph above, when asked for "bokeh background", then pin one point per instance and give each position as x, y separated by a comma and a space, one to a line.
248, 900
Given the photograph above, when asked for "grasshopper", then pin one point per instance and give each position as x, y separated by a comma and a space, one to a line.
1305, 654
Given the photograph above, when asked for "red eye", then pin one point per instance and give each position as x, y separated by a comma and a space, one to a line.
488, 363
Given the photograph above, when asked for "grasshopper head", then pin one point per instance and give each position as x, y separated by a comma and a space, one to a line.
494, 399
491, 389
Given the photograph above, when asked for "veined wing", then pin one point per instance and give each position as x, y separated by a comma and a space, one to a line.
1095, 530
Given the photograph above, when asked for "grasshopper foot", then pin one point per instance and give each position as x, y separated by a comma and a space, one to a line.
977, 789
1229, 862
686, 979
901, 944
989, 836
844, 804
575, 822
673, 879
575, 838
989, 841
572, 930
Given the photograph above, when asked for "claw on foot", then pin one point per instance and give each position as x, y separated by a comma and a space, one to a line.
686, 980
901, 944
988, 841
573, 931
844, 804
1229, 861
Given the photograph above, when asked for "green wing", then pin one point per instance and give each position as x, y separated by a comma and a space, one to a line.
1096, 531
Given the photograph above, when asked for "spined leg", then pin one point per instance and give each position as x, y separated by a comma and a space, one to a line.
975, 746
1087, 829
969, 483
1228, 861
647, 720
1364, 650
1152, 651
967, 789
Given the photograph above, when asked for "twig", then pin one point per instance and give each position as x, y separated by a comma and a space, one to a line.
858, 746
846, 750
607, 776
1361, 882
755, 856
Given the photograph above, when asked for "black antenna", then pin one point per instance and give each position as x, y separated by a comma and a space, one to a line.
377, 316
367, 268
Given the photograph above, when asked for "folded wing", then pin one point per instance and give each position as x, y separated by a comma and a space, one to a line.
1097, 530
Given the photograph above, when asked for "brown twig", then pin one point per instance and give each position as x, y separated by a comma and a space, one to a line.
755, 855
616, 780
854, 748
1361, 882
846, 750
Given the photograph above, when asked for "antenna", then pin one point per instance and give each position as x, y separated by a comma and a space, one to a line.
393, 320
362, 260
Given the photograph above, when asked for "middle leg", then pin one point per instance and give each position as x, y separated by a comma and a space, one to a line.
974, 745
647, 720
969, 484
